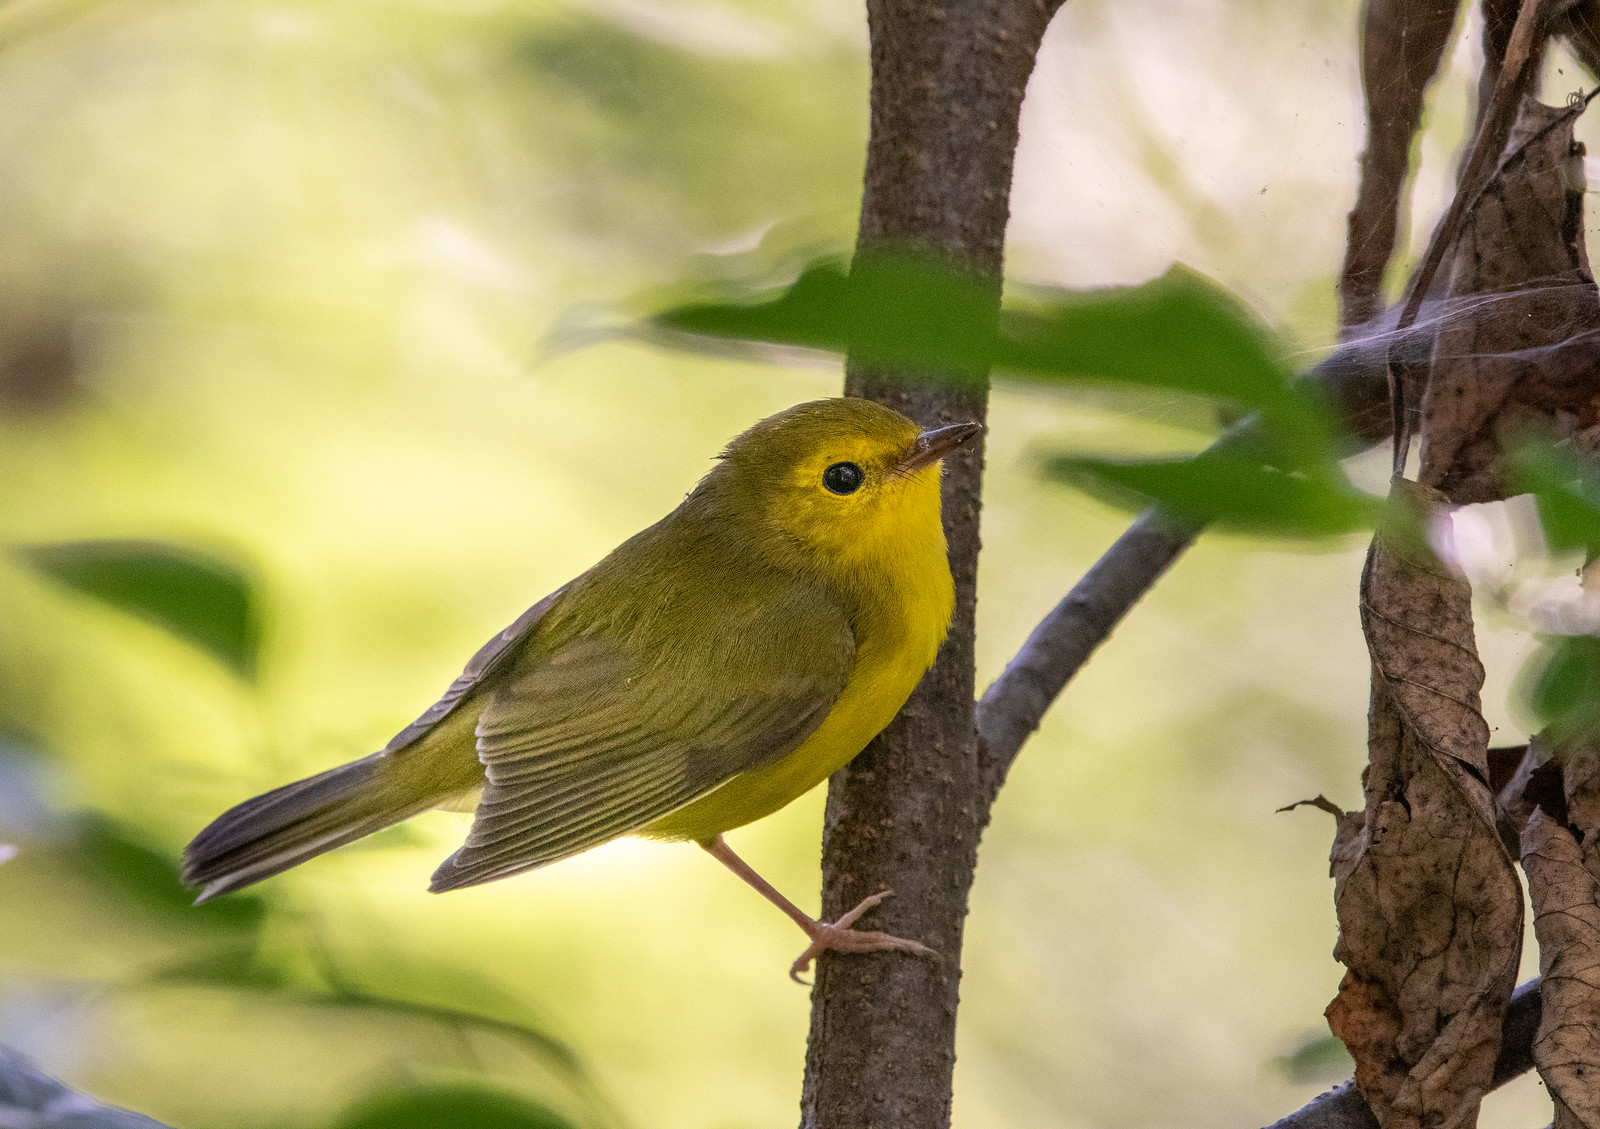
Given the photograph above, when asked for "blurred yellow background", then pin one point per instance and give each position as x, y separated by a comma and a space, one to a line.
276, 282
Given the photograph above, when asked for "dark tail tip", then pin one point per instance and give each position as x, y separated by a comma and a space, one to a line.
273, 832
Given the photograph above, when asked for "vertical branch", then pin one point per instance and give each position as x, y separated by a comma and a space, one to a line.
947, 84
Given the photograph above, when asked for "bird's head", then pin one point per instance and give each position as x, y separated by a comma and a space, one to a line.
840, 481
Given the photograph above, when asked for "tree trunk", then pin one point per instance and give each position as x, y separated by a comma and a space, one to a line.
947, 87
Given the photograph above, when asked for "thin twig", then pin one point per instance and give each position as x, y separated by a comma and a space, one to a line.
1014, 704
1342, 1107
1351, 381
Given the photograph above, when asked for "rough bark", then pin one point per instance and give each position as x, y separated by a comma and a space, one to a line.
947, 87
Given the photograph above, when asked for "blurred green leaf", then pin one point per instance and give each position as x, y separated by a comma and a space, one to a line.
115, 859
241, 967
1180, 332
451, 1107
199, 598
227, 966
1561, 684
887, 309
1567, 491
547, 1049
399, 981
397, 986
645, 142
1320, 1058
1222, 489
31, 1099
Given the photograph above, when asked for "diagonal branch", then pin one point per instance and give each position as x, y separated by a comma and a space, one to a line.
1014, 704
1352, 381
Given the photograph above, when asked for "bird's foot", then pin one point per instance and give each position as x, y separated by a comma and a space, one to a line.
839, 937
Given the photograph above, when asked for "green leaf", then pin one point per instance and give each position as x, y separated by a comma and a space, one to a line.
1221, 489
451, 1107
1180, 332
237, 965
543, 1048
1320, 1058
111, 856
1562, 685
1567, 491
475, 1006
890, 309
196, 597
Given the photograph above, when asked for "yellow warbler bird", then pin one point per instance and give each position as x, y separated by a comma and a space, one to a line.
710, 670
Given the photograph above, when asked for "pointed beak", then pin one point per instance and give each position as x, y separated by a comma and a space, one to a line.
931, 446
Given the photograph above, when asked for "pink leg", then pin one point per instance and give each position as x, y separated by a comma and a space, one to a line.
836, 936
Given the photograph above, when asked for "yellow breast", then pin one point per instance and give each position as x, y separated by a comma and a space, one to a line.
898, 632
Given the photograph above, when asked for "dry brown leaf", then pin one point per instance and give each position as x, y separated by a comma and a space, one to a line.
1499, 18
1417, 617
1518, 348
1580, 26
1562, 884
1429, 903
1402, 43
1580, 779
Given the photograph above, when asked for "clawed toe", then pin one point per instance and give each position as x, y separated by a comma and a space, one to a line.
839, 937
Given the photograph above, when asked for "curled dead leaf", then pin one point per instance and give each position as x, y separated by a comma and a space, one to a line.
1429, 903
1520, 346
1566, 919
1402, 42
1560, 846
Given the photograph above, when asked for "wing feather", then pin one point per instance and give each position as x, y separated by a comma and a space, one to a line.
585, 745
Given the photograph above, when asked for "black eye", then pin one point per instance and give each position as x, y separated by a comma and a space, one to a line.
843, 478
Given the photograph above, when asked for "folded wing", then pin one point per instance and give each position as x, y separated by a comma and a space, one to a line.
588, 744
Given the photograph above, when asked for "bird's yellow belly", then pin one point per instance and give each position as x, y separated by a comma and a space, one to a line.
882, 680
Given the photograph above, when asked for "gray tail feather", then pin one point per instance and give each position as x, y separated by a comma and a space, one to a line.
287, 826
